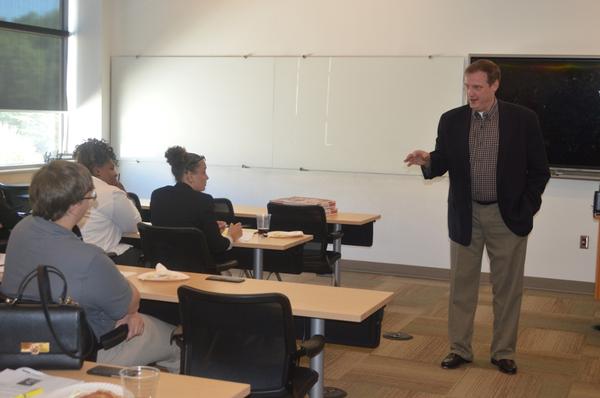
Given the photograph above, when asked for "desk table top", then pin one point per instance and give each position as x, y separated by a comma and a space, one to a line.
258, 241
314, 301
169, 385
344, 218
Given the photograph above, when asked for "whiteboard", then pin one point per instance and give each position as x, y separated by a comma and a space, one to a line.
219, 107
353, 114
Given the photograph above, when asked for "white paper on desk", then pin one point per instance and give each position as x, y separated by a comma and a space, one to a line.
247, 235
284, 234
24, 380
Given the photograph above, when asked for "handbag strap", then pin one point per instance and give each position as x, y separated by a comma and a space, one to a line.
45, 297
35, 273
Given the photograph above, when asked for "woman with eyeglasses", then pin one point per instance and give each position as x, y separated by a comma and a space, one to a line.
112, 214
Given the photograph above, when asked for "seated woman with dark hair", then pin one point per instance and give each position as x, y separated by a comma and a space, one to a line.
113, 213
185, 205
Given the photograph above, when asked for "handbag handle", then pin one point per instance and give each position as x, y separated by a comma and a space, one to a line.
46, 296
35, 273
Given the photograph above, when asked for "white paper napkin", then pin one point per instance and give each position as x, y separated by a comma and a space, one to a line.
161, 269
284, 234
162, 273
246, 235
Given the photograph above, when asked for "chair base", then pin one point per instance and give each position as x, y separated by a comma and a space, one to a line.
334, 392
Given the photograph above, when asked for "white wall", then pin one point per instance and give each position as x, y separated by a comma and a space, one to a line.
89, 73
413, 229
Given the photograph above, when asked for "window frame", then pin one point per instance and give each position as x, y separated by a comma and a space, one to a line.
63, 35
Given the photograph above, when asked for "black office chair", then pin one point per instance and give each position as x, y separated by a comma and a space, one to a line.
8, 219
247, 339
136, 201
16, 197
224, 210
179, 249
310, 220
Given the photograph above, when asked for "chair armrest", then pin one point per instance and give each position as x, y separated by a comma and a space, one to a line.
311, 347
177, 337
226, 265
336, 235
114, 337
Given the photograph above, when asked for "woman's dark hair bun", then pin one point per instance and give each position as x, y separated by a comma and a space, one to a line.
176, 156
182, 161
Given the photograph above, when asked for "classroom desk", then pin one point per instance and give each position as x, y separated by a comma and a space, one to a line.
260, 243
314, 301
337, 220
169, 385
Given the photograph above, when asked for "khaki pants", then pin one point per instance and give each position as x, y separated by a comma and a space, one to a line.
507, 258
151, 346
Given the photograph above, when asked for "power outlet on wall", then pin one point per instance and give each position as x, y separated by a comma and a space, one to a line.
584, 242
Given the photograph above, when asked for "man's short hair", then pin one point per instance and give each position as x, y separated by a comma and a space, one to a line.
491, 69
57, 186
94, 153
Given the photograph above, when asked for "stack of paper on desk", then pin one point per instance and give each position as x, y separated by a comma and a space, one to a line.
26, 382
327, 204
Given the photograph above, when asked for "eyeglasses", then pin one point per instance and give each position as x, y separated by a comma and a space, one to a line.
92, 196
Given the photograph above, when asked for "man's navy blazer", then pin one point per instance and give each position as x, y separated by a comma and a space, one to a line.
521, 173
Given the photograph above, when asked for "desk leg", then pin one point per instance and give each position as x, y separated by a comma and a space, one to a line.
258, 263
337, 247
317, 326
597, 292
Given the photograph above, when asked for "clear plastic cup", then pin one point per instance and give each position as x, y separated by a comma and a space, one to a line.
139, 381
263, 222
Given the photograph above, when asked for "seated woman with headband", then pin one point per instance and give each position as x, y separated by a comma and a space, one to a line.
186, 205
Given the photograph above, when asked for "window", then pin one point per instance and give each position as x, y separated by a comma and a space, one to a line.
33, 48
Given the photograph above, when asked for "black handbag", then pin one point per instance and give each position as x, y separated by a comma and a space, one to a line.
44, 335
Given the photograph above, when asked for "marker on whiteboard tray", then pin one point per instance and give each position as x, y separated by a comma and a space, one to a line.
244, 166
302, 169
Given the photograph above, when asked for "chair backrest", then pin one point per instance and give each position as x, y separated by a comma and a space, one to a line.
178, 248
16, 197
309, 219
224, 210
242, 338
136, 201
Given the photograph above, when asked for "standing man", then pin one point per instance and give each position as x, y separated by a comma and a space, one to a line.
494, 154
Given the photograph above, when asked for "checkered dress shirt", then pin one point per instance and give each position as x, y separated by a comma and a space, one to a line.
483, 154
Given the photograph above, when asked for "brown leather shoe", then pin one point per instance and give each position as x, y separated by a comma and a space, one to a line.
507, 366
453, 361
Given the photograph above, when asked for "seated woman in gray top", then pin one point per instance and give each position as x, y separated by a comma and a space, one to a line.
60, 194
